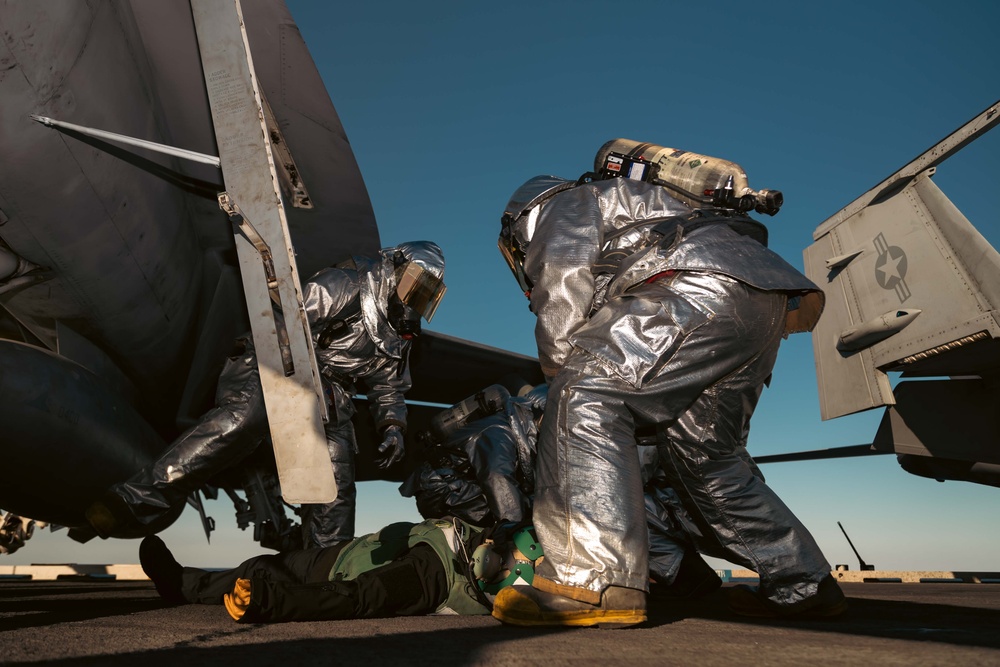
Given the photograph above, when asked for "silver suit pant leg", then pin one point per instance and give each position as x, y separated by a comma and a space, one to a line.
671, 532
222, 437
324, 525
589, 511
702, 448
744, 521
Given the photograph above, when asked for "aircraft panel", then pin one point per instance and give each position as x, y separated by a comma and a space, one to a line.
948, 419
904, 259
287, 363
341, 220
120, 256
133, 261
851, 383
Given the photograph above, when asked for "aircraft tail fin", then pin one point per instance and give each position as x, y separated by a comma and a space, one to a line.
911, 286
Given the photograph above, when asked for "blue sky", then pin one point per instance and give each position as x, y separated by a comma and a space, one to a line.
451, 105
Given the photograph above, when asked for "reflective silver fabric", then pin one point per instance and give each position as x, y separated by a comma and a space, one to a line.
425, 254
688, 351
667, 541
533, 192
575, 228
447, 488
347, 309
328, 524
671, 529
366, 348
420, 280
568, 240
484, 472
224, 435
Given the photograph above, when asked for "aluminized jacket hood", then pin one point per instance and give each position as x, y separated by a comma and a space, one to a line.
533, 192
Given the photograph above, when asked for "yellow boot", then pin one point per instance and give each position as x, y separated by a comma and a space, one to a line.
523, 605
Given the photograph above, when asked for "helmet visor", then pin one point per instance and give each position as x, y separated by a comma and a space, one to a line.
420, 289
514, 256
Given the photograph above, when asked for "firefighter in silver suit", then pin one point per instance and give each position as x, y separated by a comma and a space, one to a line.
478, 458
364, 314
652, 312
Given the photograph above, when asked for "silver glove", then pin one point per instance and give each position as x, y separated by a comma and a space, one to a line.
392, 448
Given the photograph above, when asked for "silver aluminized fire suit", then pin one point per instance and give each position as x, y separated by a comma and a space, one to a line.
671, 530
356, 342
348, 311
651, 313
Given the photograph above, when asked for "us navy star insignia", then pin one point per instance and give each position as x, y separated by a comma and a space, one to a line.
890, 268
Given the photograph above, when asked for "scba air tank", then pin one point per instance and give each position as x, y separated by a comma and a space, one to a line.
697, 180
483, 404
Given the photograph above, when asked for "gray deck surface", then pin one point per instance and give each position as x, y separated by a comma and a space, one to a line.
125, 623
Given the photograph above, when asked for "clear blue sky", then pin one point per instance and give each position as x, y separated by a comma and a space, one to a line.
451, 105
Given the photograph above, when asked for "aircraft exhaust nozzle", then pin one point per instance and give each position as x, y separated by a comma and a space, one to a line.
875, 330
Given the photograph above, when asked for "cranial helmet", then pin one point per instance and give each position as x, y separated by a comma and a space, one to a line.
419, 276
505, 557
537, 396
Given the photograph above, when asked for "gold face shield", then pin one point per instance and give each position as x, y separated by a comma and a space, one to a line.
420, 289
514, 256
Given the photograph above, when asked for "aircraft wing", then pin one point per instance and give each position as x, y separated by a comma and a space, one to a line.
445, 370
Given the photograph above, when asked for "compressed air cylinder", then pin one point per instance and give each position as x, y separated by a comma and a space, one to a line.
487, 402
688, 175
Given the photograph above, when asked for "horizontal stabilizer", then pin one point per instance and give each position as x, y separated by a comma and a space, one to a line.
816, 454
